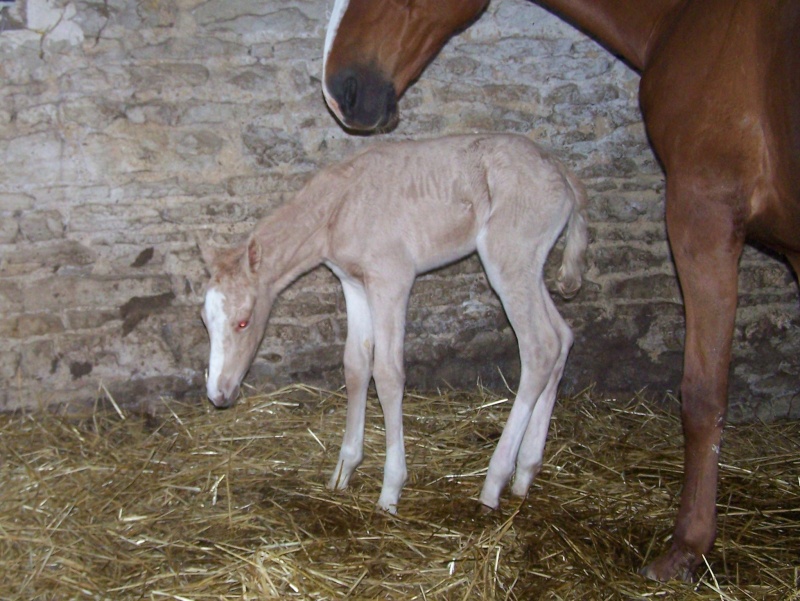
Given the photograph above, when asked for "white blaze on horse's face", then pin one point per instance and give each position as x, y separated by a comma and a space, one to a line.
234, 338
215, 320
337, 12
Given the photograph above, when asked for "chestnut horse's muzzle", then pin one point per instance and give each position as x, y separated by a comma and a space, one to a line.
362, 98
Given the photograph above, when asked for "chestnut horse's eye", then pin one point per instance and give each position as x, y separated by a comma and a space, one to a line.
242, 324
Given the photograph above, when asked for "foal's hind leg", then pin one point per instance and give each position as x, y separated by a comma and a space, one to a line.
517, 279
531, 452
357, 373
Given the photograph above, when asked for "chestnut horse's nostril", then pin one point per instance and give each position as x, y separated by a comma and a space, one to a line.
365, 99
349, 91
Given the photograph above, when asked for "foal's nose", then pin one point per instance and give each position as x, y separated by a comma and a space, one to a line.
221, 398
365, 98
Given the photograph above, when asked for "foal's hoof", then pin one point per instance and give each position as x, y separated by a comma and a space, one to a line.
390, 508
486, 509
388, 504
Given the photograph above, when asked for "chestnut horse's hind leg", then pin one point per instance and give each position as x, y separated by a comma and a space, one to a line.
706, 244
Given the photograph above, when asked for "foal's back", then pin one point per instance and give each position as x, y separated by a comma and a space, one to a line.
426, 201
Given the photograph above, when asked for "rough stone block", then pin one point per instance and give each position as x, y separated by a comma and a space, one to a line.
9, 228
168, 75
9, 363
38, 360
45, 258
63, 292
30, 325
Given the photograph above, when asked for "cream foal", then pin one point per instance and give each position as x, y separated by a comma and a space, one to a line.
378, 220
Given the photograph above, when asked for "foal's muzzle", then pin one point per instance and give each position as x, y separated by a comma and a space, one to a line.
365, 99
221, 397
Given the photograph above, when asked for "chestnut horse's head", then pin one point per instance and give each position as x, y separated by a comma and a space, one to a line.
374, 50
235, 313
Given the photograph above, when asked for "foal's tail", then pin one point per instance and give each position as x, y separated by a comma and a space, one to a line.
568, 281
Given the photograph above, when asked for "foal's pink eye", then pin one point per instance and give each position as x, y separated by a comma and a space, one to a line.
243, 324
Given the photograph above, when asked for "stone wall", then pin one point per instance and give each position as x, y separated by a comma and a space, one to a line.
128, 130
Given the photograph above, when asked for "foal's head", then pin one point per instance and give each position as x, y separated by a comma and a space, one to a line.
235, 313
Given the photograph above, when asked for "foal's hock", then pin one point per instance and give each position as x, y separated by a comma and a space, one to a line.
378, 220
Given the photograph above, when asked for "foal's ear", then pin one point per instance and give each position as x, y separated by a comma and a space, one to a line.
253, 255
208, 252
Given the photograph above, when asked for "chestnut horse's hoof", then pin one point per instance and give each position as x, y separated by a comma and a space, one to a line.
676, 564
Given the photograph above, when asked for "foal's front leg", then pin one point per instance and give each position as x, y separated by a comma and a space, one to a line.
358, 351
389, 299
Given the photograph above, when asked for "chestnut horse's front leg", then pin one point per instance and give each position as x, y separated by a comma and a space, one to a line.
706, 242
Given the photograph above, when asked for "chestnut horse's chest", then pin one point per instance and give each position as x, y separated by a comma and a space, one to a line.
709, 120
700, 88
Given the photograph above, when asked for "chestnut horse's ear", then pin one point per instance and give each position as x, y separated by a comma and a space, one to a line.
253, 255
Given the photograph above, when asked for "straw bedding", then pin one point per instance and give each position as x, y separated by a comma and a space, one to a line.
180, 501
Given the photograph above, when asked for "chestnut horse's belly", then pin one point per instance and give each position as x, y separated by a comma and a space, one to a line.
777, 224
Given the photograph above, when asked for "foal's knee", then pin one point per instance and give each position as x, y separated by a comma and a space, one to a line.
357, 359
545, 350
389, 380
566, 339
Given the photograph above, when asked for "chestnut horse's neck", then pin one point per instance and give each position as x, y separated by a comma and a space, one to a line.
628, 28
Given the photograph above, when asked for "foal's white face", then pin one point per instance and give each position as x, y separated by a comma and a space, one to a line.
235, 314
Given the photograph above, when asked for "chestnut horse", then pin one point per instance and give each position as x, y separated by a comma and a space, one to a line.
720, 97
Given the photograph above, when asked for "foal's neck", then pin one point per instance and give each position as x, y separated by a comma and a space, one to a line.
293, 238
